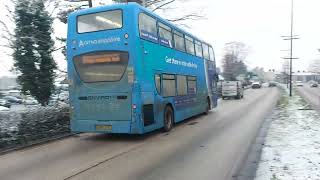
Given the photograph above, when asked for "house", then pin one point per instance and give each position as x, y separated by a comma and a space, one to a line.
7, 83
305, 76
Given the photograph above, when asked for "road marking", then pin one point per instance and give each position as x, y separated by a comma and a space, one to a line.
105, 160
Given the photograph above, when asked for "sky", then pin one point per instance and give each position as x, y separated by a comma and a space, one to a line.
257, 23
260, 24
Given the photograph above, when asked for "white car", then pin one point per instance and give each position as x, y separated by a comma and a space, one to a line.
30, 102
2, 109
256, 85
299, 84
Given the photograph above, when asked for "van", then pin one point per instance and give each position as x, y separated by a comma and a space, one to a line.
232, 89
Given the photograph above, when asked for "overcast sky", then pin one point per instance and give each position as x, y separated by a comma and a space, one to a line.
257, 23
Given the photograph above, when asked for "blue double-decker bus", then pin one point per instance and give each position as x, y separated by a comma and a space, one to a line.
131, 71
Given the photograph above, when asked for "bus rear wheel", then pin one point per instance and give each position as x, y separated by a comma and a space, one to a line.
168, 119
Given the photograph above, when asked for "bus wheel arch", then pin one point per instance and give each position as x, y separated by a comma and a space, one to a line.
168, 117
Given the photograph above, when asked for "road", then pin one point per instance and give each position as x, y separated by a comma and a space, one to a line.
205, 147
312, 95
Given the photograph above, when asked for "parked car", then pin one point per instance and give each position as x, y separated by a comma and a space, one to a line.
30, 102
232, 89
5, 103
15, 93
313, 85
2, 108
12, 99
299, 84
256, 85
272, 84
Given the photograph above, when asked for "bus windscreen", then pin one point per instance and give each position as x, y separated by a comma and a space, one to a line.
101, 66
99, 21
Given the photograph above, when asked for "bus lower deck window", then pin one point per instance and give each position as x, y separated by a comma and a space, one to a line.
182, 85
169, 85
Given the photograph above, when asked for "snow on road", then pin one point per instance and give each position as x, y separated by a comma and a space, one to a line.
292, 146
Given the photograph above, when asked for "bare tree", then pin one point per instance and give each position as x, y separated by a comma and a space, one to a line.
166, 6
238, 49
234, 60
315, 66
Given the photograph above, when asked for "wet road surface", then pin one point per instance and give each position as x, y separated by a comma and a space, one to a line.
210, 146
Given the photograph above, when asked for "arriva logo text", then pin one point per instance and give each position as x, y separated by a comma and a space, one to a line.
98, 41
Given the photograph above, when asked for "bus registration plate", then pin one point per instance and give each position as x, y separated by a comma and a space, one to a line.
103, 127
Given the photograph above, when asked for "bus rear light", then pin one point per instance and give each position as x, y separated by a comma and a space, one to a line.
126, 35
134, 106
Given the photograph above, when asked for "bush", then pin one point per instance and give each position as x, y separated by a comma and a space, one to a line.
23, 127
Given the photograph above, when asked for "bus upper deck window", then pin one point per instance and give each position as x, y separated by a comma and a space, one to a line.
148, 27
179, 43
189, 45
205, 51
106, 20
165, 34
211, 54
198, 49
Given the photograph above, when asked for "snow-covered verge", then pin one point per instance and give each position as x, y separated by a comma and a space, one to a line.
18, 128
292, 147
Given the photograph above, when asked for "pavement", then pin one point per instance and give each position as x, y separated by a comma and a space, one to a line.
291, 147
212, 146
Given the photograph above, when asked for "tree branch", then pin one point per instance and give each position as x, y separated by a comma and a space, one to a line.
152, 2
57, 49
61, 71
192, 16
162, 5
6, 29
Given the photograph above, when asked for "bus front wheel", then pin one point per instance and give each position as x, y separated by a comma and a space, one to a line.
168, 118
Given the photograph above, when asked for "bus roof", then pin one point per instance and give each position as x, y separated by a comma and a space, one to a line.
132, 5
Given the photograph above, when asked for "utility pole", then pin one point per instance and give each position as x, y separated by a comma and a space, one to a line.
291, 43
291, 38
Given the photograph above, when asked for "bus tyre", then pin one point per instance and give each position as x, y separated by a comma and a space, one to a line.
168, 119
